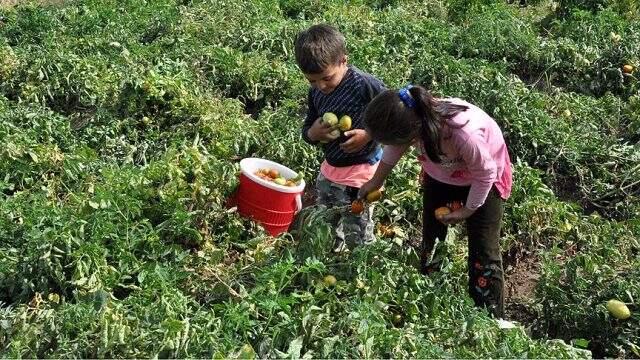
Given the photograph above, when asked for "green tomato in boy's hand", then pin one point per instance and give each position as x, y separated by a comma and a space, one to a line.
334, 134
322, 132
330, 119
358, 138
344, 124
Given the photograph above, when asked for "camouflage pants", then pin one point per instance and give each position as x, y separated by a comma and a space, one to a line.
350, 229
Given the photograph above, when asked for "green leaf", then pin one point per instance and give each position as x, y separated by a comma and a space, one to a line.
33, 156
581, 343
295, 347
245, 352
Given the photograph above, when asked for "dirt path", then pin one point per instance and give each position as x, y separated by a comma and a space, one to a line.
309, 196
521, 279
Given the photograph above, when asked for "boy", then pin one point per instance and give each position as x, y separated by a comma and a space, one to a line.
352, 158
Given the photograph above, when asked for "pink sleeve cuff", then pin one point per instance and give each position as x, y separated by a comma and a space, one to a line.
392, 153
478, 194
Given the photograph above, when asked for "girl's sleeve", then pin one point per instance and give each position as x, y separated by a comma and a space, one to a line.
475, 152
392, 153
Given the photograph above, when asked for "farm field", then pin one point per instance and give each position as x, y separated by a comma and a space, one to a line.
122, 124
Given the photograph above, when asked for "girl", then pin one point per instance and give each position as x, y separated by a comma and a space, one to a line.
464, 158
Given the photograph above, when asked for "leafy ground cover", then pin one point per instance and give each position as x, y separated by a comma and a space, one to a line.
122, 123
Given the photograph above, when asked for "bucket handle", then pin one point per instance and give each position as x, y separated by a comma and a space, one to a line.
298, 203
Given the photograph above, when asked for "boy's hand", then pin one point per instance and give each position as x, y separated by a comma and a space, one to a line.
320, 131
358, 138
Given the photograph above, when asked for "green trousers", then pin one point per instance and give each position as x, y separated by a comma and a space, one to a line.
486, 276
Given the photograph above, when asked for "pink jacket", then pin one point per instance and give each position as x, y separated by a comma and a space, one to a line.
474, 154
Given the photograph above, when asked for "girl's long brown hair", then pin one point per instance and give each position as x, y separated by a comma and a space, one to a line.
390, 121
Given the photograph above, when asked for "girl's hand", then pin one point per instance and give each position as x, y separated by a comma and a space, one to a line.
368, 187
456, 216
376, 181
358, 138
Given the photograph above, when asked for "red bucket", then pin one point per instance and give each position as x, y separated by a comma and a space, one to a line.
268, 203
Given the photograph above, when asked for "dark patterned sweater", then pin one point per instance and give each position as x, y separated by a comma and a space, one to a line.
350, 97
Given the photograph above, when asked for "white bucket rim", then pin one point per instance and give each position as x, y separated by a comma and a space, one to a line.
249, 165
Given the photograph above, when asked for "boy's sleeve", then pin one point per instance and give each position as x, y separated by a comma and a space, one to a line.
312, 115
372, 87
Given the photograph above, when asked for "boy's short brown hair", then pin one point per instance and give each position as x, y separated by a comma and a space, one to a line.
318, 47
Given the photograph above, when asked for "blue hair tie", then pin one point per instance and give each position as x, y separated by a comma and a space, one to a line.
406, 97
